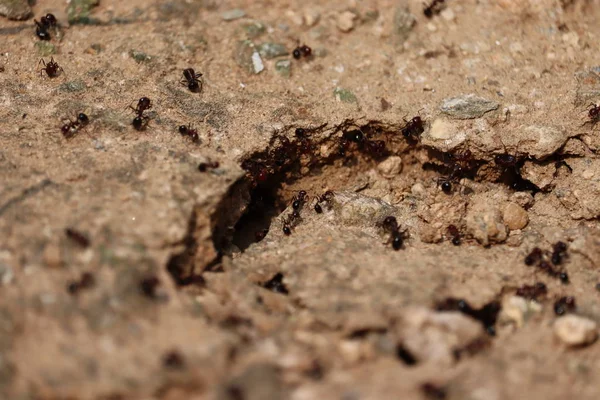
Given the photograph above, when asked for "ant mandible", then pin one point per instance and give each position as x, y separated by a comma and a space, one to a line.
192, 80
51, 68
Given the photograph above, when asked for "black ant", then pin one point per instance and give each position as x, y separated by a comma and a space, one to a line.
564, 305
302, 51
140, 122
461, 163
191, 79
298, 201
390, 224
326, 198
454, 233
534, 256
86, 281
594, 114
413, 129
275, 284
190, 132
77, 237
290, 221
532, 292
72, 127
205, 166
51, 69
144, 103
148, 286
41, 28
433, 8
559, 253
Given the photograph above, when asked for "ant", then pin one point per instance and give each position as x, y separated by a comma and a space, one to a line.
564, 305
51, 68
189, 131
205, 166
534, 256
144, 103
326, 198
413, 129
532, 292
72, 127
390, 224
302, 51
148, 286
433, 8
559, 253
86, 281
461, 162
290, 221
191, 79
454, 233
140, 122
77, 237
298, 201
594, 114
41, 29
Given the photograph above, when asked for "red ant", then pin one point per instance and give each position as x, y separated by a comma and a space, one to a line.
191, 79
433, 8
51, 68
190, 132
326, 198
72, 127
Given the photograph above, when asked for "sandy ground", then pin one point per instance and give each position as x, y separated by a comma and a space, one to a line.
128, 272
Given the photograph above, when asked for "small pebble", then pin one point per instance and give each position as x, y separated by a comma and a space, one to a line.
515, 217
390, 167
15, 9
404, 22
468, 106
283, 68
345, 21
234, 14
574, 330
311, 17
52, 256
